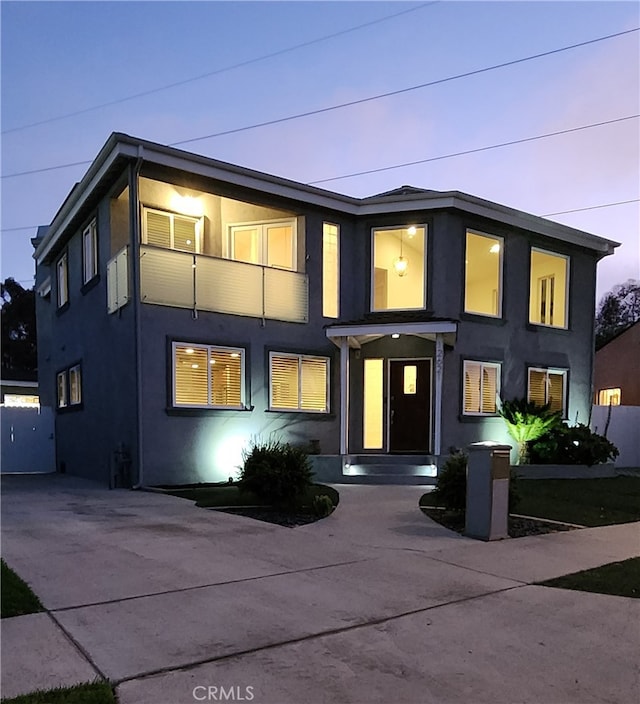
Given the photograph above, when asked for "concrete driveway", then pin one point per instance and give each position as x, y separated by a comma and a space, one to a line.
374, 604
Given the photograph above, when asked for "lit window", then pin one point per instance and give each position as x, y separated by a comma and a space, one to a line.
271, 244
89, 252
172, 231
548, 386
75, 386
298, 382
62, 280
609, 397
398, 268
208, 376
373, 404
21, 401
62, 389
548, 287
330, 270
483, 274
481, 388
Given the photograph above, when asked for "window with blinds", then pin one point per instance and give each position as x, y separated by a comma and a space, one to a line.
171, 230
298, 383
547, 386
481, 387
205, 376
75, 385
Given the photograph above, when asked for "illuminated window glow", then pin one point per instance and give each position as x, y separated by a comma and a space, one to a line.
298, 382
21, 401
172, 231
548, 386
609, 397
481, 387
267, 243
373, 404
398, 268
548, 289
330, 270
483, 274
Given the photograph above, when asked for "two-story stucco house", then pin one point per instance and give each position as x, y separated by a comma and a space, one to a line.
187, 305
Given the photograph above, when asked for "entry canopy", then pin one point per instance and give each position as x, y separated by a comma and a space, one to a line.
360, 334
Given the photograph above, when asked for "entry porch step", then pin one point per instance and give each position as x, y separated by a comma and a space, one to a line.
390, 469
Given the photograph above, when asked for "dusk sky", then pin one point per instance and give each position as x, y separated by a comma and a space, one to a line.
61, 58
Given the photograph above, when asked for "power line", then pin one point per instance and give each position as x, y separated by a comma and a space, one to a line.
403, 90
472, 151
348, 104
546, 215
224, 69
591, 207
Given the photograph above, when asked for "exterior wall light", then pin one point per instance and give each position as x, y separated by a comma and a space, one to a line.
395, 335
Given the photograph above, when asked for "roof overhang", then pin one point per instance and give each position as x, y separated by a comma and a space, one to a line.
358, 335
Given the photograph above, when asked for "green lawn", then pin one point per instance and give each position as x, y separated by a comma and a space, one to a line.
216, 495
618, 578
586, 502
17, 598
94, 693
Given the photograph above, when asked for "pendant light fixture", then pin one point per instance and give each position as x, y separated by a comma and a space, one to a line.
400, 264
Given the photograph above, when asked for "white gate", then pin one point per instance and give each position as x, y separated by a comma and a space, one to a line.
27, 440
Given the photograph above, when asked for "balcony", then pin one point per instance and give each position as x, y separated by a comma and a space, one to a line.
201, 282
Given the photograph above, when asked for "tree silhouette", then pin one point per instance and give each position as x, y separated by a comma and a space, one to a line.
19, 350
618, 309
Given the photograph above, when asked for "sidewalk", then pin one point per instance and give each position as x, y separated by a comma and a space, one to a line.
374, 604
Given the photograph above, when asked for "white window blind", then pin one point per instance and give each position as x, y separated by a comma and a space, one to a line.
547, 386
299, 382
208, 376
481, 387
171, 231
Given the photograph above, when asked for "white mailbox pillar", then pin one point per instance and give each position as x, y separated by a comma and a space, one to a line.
488, 471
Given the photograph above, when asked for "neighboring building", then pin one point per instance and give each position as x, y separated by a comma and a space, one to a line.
19, 389
616, 375
188, 305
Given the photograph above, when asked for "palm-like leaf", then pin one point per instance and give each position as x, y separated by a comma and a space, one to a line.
527, 422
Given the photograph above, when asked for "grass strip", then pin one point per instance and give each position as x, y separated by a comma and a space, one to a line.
91, 693
17, 599
616, 578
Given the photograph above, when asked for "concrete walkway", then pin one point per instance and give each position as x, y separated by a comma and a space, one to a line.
374, 604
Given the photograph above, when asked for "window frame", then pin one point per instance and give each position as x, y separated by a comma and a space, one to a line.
334, 294
90, 266
501, 240
198, 230
62, 399
483, 364
263, 241
208, 348
614, 393
300, 360
567, 259
62, 275
564, 373
77, 370
425, 260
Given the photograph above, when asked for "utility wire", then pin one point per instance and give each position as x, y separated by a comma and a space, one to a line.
546, 215
348, 104
224, 69
473, 151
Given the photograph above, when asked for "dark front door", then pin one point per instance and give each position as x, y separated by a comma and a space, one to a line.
409, 406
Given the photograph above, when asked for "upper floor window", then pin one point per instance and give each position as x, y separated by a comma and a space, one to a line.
61, 385
298, 382
483, 274
208, 376
268, 243
172, 231
481, 387
62, 280
75, 385
548, 386
330, 270
398, 275
548, 288
89, 252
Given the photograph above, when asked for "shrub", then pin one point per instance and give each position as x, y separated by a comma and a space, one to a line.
572, 445
527, 422
275, 471
451, 485
322, 505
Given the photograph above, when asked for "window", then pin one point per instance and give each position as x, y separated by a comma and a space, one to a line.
548, 289
330, 270
268, 243
118, 281
373, 404
172, 231
398, 268
481, 387
69, 387
89, 252
547, 386
483, 274
298, 382
609, 397
208, 376
62, 279
62, 389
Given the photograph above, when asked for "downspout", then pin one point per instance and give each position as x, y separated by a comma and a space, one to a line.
134, 216
438, 395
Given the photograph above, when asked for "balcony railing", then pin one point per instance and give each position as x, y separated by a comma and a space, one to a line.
201, 282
